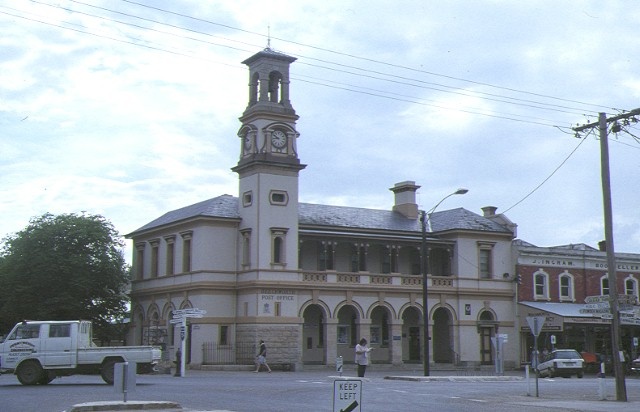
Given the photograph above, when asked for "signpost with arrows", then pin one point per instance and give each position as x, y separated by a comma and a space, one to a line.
180, 316
600, 306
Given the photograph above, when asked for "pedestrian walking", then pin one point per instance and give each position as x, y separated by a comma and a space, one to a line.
362, 357
261, 358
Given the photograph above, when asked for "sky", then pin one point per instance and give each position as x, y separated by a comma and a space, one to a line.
129, 109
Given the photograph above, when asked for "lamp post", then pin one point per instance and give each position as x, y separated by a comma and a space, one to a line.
425, 218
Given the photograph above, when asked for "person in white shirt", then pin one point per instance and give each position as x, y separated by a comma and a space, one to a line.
362, 357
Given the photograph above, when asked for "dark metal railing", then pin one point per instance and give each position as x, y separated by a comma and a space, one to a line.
231, 354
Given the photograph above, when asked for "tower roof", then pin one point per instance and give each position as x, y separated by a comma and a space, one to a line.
269, 53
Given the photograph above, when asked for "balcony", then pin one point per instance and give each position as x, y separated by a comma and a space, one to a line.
398, 280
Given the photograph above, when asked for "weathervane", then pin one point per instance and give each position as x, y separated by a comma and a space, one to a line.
268, 37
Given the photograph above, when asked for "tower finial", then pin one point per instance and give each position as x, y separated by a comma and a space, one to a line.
268, 37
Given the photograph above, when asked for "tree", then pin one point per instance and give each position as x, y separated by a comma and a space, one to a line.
63, 267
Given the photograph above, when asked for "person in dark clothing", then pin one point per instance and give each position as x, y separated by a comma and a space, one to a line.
261, 358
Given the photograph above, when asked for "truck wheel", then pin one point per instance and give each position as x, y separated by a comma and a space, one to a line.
107, 371
30, 373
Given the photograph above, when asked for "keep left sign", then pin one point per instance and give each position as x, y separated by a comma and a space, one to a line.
347, 395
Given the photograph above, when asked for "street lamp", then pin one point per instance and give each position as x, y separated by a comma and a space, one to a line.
425, 218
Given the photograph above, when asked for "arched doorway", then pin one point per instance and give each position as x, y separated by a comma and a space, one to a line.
314, 335
139, 328
442, 336
411, 352
347, 333
486, 329
379, 332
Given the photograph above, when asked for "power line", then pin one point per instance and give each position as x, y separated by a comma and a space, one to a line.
461, 91
415, 100
351, 88
393, 65
535, 105
550, 176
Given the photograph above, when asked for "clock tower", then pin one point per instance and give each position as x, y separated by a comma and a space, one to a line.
268, 171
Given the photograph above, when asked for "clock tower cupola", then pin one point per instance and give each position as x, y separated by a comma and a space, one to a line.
268, 130
269, 167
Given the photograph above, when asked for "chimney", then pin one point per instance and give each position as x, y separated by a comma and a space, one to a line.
489, 211
405, 199
602, 245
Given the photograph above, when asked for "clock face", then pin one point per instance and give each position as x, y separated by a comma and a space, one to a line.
278, 139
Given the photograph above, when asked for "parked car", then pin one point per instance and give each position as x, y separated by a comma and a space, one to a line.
562, 362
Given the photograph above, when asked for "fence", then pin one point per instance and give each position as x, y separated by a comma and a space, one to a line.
231, 354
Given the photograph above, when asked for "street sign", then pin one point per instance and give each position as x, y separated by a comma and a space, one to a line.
347, 395
595, 299
189, 312
187, 315
595, 310
628, 299
624, 299
181, 316
599, 305
535, 324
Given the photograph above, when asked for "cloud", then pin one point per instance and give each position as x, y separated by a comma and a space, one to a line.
93, 122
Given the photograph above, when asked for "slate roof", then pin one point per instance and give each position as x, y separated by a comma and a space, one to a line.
315, 215
225, 206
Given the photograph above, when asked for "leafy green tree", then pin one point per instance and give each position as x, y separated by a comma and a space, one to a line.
63, 267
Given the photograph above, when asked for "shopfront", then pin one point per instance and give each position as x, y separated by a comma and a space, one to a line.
567, 326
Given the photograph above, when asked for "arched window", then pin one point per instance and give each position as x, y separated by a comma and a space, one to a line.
541, 285
246, 247
277, 249
604, 285
275, 79
566, 286
278, 246
631, 286
253, 88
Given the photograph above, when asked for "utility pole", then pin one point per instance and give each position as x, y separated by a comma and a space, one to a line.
602, 124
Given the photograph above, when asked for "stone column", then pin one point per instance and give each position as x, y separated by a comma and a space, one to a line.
331, 344
395, 346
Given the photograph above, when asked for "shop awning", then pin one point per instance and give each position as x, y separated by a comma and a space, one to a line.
557, 314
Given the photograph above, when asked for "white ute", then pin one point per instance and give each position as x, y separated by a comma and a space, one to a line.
39, 351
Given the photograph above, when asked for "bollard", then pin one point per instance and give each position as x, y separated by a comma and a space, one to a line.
601, 392
339, 365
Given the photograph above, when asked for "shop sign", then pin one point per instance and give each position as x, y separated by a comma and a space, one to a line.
552, 322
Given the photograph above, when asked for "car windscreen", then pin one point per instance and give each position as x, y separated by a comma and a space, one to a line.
568, 354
